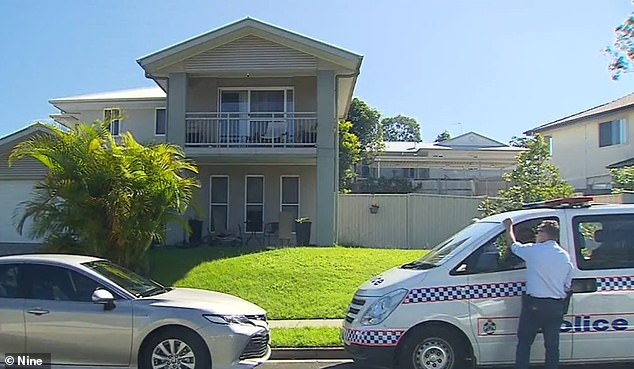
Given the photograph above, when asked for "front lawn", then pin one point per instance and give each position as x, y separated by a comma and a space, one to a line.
306, 337
290, 283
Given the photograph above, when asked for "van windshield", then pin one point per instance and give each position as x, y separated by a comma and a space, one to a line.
445, 249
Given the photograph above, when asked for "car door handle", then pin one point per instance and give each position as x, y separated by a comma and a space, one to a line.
584, 285
38, 311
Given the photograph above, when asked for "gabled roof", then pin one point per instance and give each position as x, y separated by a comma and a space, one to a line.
242, 28
471, 139
16, 136
618, 104
462, 142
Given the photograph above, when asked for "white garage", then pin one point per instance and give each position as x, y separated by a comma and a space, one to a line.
16, 185
12, 193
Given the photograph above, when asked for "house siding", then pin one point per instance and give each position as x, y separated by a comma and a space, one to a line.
250, 53
139, 121
577, 153
237, 174
26, 168
202, 93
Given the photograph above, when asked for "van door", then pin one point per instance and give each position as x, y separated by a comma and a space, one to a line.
602, 307
496, 282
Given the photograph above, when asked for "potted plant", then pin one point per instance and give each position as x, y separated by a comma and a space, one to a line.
302, 230
374, 208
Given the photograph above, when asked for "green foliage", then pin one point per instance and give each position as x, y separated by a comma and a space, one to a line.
290, 283
533, 179
519, 141
349, 156
366, 126
386, 185
443, 136
103, 197
622, 50
306, 337
401, 128
623, 179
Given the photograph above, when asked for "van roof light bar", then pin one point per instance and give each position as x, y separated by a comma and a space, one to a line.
562, 203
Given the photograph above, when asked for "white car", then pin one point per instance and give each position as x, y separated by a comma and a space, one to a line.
459, 305
89, 312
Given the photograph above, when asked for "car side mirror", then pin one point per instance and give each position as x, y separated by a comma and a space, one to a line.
103, 297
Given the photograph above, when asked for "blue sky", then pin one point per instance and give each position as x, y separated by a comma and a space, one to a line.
494, 67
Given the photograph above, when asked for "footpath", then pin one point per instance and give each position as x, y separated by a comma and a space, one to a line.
307, 353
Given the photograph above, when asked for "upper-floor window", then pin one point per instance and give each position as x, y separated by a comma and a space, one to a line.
549, 142
612, 133
160, 121
113, 115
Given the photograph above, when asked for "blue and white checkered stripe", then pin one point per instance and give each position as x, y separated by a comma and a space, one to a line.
388, 337
476, 291
615, 283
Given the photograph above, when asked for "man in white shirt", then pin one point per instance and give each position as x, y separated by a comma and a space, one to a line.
548, 281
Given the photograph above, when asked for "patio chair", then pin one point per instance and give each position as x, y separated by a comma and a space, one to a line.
270, 231
276, 131
220, 233
285, 228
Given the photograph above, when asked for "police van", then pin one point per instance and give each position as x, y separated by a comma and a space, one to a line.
458, 306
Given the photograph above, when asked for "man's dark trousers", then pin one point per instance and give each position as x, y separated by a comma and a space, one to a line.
537, 313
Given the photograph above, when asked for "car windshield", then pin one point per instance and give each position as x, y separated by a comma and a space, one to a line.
445, 249
135, 284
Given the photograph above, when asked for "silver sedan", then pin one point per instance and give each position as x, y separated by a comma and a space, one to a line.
86, 311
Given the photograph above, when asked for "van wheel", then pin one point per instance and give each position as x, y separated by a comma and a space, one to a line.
175, 349
432, 349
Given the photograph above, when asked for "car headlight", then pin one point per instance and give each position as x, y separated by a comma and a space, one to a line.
383, 307
228, 319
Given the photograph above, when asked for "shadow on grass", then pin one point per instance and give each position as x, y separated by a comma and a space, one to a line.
169, 264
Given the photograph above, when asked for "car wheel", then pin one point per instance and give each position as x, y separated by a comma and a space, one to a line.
432, 349
175, 349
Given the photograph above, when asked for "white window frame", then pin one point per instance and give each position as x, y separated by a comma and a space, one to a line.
117, 121
211, 203
622, 139
299, 193
247, 204
249, 89
156, 121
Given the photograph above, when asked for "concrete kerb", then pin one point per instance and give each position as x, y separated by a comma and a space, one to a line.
301, 323
308, 353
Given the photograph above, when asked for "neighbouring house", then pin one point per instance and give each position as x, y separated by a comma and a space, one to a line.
16, 186
470, 164
256, 107
586, 144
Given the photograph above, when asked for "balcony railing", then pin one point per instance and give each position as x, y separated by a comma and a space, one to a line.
243, 129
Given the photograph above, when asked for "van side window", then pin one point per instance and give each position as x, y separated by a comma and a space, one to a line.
495, 255
604, 241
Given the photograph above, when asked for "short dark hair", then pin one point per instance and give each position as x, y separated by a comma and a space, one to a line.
550, 227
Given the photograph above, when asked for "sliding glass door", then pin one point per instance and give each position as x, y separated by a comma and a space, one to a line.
254, 112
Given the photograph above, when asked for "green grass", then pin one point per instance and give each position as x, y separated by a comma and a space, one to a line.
290, 283
306, 337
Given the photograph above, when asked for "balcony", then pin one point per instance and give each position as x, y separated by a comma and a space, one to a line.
242, 129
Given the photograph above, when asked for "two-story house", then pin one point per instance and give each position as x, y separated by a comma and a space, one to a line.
586, 144
256, 107
467, 165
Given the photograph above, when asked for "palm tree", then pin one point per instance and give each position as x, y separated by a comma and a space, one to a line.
101, 196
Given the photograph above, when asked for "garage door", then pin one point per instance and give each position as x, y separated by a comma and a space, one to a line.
12, 192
